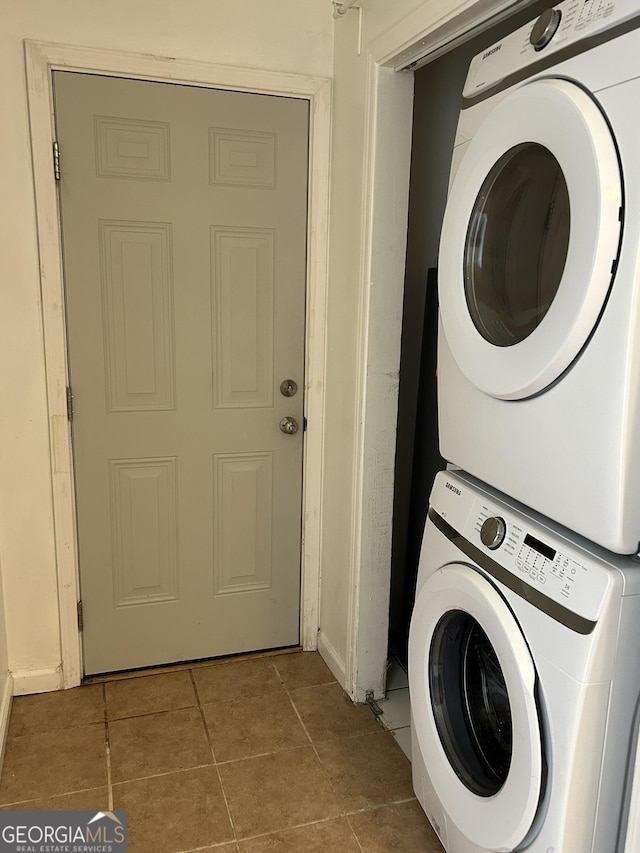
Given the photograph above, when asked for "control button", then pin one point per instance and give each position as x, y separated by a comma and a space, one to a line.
542, 579
493, 531
545, 28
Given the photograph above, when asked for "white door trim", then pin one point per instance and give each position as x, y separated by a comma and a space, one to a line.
41, 59
385, 202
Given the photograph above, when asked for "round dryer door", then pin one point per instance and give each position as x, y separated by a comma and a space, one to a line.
472, 685
530, 238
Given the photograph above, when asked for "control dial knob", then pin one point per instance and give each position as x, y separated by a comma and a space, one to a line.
545, 28
493, 531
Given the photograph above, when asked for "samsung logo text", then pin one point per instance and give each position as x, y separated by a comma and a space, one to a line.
492, 51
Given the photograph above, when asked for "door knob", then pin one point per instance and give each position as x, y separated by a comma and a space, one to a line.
289, 426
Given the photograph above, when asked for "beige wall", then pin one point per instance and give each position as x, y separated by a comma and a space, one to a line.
4, 656
276, 35
6, 682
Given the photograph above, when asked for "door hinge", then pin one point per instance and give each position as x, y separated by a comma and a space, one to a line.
80, 617
69, 403
56, 161
304, 424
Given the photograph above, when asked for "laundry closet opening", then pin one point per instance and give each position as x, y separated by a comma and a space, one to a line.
437, 98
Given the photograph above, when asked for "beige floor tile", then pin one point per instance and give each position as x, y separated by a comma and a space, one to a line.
225, 682
333, 836
179, 811
253, 726
367, 771
278, 791
302, 669
328, 714
45, 765
150, 694
158, 743
402, 827
62, 709
94, 798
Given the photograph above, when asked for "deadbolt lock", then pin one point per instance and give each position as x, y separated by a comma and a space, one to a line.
288, 388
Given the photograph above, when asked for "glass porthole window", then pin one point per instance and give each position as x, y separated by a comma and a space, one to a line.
516, 245
470, 703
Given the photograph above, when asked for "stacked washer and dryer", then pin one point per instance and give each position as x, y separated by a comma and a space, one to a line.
524, 649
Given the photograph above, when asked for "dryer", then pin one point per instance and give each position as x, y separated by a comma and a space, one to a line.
539, 341
523, 678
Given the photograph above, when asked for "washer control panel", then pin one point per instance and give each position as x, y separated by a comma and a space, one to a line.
558, 27
557, 573
541, 559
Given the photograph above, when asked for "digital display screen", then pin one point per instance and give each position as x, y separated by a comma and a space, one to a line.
540, 547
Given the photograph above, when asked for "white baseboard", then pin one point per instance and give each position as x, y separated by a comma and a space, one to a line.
36, 680
332, 659
6, 697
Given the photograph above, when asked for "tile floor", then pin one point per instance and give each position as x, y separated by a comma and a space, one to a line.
396, 707
244, 756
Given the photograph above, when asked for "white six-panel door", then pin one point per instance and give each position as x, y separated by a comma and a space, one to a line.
184, 239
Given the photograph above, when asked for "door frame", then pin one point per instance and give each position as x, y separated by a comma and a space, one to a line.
42, 58
431, 29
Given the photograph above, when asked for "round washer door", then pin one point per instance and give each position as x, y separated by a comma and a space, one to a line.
530, 238
472, 681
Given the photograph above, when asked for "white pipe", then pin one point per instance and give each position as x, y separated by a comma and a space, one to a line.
341, 7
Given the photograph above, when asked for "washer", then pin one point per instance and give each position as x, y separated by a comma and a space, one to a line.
523, 679
539, 345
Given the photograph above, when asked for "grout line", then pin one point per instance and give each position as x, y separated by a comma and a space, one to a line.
164, 773
297, 713
286, 829
263, 754
374, 808
201, 767
353, 832
313, 746
203, 718
346, 816
213, 756
152, 713
56, 731
5, 806
108, 749
194, 684
188, 769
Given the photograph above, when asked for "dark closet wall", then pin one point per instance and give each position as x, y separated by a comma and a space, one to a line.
437, 99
